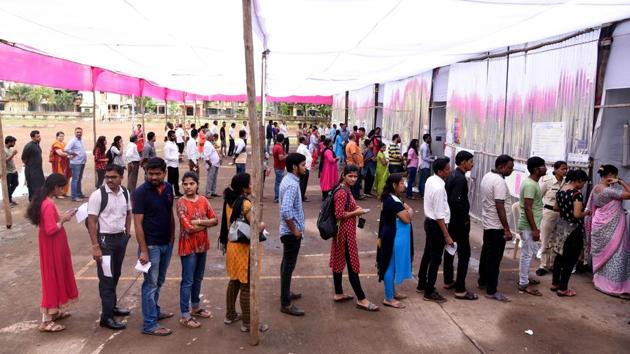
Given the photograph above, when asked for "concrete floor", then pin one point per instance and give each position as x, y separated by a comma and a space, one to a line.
589, 323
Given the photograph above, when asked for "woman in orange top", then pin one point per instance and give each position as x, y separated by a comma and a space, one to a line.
201, 139
60, 161
237, 257
195, 217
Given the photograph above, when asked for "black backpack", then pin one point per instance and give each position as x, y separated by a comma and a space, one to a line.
104, 200
326, 221
110, 157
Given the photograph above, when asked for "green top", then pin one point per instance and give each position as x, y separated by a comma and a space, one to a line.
530, 189
10, 163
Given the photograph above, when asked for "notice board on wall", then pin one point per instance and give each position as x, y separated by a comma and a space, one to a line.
549, 141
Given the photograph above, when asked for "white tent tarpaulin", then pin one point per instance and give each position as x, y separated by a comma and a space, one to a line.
318, 47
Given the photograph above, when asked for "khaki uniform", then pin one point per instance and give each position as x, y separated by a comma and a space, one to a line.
549, 186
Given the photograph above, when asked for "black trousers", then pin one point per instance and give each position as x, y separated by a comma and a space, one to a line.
100, 177
173, 178
460, 232
356, 189
490, 260
12, 183
432, 257
564, 263
395, 168
113, 245
285, 144
369, 182
231, 148
304, 183
355, 282
291, 249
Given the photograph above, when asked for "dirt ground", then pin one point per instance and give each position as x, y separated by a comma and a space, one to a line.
589, 323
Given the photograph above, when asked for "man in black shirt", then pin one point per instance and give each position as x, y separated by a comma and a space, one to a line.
32, 160
459, 227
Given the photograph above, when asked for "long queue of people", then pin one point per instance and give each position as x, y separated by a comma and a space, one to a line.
154, 206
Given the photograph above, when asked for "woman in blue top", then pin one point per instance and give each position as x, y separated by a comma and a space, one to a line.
339, 150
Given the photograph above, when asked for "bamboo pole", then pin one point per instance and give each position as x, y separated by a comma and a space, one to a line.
257, 172
184, 117
8, 218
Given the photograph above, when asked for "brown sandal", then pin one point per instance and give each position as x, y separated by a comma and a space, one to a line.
201, 312
61, 315
189, 322
51, 327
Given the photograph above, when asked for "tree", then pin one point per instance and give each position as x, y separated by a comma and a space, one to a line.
64, 100
174, 109
284, 109
39, 94
19, 93
149, 105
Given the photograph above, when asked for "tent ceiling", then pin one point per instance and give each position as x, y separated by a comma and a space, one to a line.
317, 46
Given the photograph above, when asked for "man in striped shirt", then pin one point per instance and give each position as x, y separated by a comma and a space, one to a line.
395, 158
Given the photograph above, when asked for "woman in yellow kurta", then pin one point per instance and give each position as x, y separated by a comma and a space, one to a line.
381, 170
60, 161
237, 205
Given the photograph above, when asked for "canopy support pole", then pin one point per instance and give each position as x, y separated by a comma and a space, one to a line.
346, 112
8, 218
256, 171
94, 128
144, 127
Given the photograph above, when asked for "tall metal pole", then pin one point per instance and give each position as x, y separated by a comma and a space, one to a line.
94, 128
257, 172
8, 218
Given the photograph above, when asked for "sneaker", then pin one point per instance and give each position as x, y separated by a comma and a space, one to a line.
228, 321
435, 297
420, 289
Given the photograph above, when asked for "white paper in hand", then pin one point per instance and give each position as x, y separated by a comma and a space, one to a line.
82, 213
106, 264
451, 249
143, 268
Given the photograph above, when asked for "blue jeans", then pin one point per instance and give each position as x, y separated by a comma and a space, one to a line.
77, 176
276, 187
159, 256
240, 168
425, 173
411, 180
190, 287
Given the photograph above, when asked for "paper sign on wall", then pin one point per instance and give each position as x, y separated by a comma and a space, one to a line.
549, 141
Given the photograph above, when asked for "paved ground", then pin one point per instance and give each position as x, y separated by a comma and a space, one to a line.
589, 323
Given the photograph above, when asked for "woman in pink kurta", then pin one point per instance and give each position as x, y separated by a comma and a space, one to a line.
328, 173
58, 284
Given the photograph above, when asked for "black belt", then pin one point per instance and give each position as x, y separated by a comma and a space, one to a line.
113, 235
549, 207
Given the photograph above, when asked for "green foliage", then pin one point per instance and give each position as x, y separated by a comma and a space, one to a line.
19, 93
149, 104
284, 109
64, 100
174, 109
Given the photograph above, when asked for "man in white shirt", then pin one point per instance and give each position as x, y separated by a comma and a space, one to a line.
437, 216
232, 138
425, 162
495, 196
192, 153
285, 133
244, 128
132, 159
213, 161
171, 157
214, 128
303, 149
109, 223
240, 152
179, 138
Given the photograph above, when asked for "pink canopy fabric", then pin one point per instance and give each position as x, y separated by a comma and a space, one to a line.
21, 65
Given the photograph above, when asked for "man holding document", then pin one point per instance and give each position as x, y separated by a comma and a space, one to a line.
109, 222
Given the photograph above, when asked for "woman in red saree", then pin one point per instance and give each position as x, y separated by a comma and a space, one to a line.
59, 287
60, 161
607, 236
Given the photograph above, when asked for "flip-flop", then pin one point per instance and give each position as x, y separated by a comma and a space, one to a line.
467, 296
567, 293
530, 291
400, 296
399, 305
344, 298
51, 327
370, 307
159, 334
499, 297
165, 315
201, 312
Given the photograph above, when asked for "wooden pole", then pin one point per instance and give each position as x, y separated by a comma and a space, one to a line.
144, 127
184, 117
256, 171
8, 218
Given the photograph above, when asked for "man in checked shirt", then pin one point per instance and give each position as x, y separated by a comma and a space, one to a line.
291, 229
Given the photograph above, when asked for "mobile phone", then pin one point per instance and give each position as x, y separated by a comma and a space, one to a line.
366, 210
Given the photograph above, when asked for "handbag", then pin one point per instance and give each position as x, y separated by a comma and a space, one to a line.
240, 231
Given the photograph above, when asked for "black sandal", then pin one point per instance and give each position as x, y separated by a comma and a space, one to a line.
467, 296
